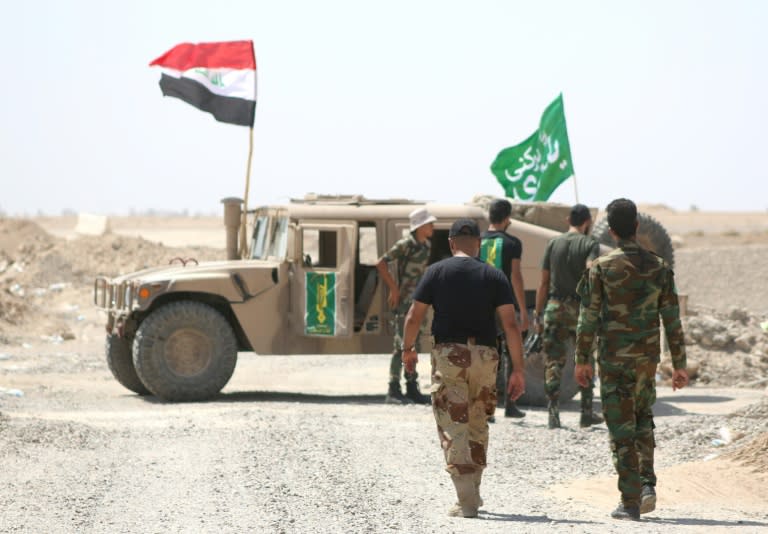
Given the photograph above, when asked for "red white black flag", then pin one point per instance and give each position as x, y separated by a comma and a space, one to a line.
219, 78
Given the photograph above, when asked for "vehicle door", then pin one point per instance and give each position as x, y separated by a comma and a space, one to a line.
322, 282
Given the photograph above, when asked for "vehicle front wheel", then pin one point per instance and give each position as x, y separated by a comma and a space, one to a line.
185, 351
120, 362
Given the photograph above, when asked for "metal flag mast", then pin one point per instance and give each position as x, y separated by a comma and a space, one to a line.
244, 223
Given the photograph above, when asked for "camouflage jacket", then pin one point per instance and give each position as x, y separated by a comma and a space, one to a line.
410, 258
623, 295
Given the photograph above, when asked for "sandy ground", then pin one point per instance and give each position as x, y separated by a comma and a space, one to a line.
305, 443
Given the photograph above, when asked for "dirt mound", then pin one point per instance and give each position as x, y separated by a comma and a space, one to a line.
38, 270
754, 454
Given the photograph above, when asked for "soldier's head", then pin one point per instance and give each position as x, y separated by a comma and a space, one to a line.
622, 218
499, 211
421, 223
581, 218
464, 236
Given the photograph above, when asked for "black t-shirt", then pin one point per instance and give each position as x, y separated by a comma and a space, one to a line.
464, 293
494, 241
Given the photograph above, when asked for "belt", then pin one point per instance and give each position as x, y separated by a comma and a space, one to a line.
574, 298
466, 340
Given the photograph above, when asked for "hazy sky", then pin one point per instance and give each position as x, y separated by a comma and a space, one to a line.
665, 101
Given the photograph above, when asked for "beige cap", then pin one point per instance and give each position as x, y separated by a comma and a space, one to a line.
420, 217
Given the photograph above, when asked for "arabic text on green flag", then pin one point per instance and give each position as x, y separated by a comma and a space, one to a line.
320, 314
533, 169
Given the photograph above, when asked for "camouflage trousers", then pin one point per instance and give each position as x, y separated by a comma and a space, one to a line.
560, 319
463, 379
628, 391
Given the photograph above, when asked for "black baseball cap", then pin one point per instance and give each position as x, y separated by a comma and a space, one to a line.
579, 214
464, 227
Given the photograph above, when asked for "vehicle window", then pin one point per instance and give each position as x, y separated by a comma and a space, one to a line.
278, 243
368, 246
319, 247
258, 247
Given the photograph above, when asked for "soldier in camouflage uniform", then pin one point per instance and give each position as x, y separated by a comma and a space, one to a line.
565, 259
465, 294
622, 297
410, 256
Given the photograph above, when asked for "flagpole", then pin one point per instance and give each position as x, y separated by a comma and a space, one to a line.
244, 223
575, 189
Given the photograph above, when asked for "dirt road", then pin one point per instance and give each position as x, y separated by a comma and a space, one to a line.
305, 444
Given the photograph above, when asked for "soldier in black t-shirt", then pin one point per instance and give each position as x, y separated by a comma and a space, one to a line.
504, 251
466, 294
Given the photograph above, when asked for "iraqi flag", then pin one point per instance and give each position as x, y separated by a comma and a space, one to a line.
219, 78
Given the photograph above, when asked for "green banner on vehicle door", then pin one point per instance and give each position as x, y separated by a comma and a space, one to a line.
320, 314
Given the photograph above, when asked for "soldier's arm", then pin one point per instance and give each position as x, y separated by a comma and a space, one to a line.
669, 309
519, 290
516, 384
413, 320
382, 266
590, 290
542, 292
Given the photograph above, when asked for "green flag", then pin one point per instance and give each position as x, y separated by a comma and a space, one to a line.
533, 169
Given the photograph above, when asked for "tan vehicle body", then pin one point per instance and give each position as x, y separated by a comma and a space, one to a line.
263, 298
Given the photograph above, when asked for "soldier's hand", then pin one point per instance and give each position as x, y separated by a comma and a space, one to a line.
524, 324
516, 385
679, 379
537, 324
583, 374
394, 298
410, 358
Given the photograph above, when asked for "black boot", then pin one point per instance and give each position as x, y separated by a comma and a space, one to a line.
395, 395
647, 499
588, 417
554, 414
511, 410
413, 393
623, 511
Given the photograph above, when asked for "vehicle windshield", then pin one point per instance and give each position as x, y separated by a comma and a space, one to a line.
270, 237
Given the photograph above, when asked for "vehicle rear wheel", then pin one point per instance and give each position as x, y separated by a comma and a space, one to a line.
185, 351
535, 395
651, 235
120, 362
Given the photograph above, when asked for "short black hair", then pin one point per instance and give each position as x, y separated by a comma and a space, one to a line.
500, 209
622, 217
579, 215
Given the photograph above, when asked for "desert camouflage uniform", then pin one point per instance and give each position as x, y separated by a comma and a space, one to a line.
463, 380
411, 259
622, 297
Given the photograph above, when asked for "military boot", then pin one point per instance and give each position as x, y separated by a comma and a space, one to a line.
466, 491
588, 417
554, 414
395, 395
624, 511
413, 393
647, 499
511, 410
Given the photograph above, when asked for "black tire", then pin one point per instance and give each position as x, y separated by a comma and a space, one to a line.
120, 362
535, 395
185, 351
651, 235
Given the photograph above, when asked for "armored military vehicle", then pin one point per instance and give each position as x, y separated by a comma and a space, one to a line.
306, 283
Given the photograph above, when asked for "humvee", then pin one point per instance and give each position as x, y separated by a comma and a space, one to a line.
305, 283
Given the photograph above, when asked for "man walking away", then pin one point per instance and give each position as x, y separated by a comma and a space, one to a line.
505, 251
410, 256
622, 297
565, 259
465, 294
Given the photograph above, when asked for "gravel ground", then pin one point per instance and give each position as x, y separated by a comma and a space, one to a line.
305, 444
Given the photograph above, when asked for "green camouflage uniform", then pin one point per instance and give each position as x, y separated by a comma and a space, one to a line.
622, 297
463, 380
411, 259
566, 258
